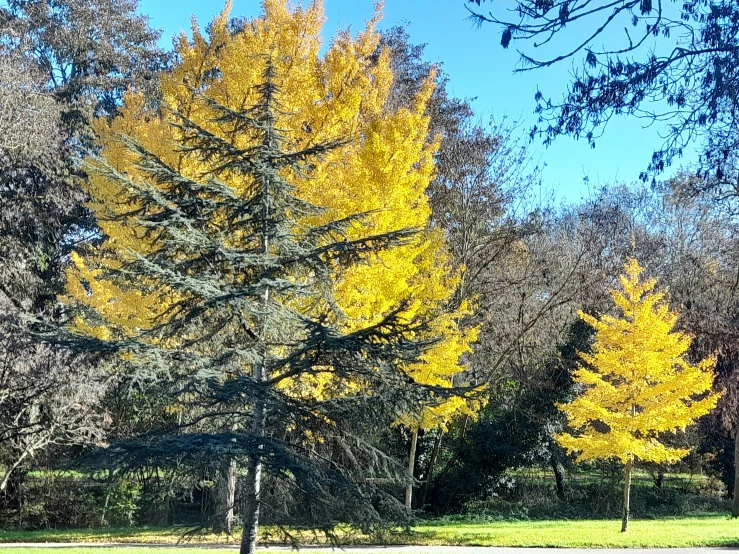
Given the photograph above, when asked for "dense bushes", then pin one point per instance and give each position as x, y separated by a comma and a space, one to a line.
597, 494
53, 499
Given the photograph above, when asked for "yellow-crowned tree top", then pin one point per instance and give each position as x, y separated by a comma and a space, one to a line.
384, 170
637, 382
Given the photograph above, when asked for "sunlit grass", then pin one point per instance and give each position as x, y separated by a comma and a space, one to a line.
116, 550
658, 533
661, 533
159, 535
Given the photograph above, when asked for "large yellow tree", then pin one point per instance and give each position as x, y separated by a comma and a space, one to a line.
637, 382
384, 169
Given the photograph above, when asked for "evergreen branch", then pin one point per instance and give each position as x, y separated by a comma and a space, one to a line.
347, 253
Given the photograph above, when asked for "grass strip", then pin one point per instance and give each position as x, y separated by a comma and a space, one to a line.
116, 550
656, 533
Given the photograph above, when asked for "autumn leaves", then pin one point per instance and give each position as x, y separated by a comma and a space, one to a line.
199, 218
636, 384
267, 252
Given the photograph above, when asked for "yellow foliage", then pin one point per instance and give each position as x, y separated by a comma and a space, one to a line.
384, 169
637, 381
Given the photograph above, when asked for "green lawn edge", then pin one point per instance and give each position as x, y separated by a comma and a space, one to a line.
707, 531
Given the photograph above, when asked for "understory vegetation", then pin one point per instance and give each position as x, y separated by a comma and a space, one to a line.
117, 510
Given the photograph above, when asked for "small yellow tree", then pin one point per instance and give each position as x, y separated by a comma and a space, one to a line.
637, 382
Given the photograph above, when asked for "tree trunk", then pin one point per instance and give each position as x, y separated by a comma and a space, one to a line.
735, 500
627, 491
660, 478
432, 466
559, 476
225, 497
253, 499
411, 469
252, 505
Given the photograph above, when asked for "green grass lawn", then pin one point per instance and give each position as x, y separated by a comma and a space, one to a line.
677, 532
123, 535
117, 550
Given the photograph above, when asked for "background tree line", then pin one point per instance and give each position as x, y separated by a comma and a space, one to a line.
512, 273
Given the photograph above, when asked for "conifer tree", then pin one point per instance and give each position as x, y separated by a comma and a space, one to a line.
386, 172
637, 383
247, 320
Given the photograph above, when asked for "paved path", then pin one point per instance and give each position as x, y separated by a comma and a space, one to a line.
394, 549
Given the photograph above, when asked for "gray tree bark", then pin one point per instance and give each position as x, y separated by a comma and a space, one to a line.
627, 492
225, 498
252, 506
559, 476
411, 469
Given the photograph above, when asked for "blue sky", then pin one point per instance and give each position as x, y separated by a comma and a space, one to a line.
478, 67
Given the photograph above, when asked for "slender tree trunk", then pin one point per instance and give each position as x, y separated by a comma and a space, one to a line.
108, 483
253, 503
253, 500
627, 491
559, 476
432, 466
660, 478
105, 509
225, 497
411, 469
735, 500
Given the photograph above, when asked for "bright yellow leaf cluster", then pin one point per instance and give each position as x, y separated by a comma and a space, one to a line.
384, 169
637, 381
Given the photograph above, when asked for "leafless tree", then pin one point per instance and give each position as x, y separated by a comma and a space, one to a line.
61, 62
664, 61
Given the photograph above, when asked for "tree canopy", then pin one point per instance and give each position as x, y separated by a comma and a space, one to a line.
659, 60
240, 280
637, 383
381, 166
384, 168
